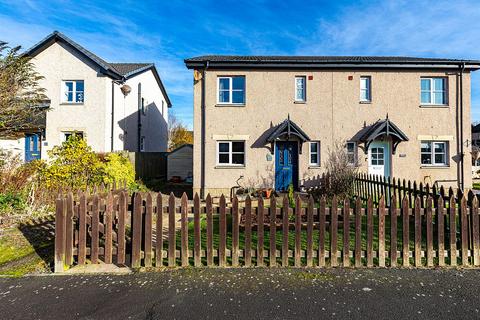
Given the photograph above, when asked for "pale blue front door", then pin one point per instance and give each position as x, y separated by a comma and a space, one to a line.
379, 158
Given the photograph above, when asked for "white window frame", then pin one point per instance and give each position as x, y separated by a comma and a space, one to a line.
433, 91
368, 89
304, 91
230, 90
432, 153
310, 153
355, 153
65, 133
230, 153
64, 97
142, 144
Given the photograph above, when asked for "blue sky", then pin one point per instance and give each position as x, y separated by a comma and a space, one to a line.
167, 31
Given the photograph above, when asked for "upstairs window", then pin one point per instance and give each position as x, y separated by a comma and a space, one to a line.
73, 91
352, 153
314, 153
365, 94
300, 89
434, 153
68, 134
231, 90
231, 153
433, 91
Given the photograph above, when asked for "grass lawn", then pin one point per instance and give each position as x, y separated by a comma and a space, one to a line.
291, 237
26, 249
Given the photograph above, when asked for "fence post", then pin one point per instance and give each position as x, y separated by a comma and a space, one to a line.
310, 209
82, 229
358, 233
441, 230
60, 236
122, 215
172, 245
346, 232
381, 232
285, 209
406, 231
159, 232
453, 231
148, 231
321, 232
248, 232
475, 231
235, 232
260, 232
69, 230
429, 231
95, 229
464, 229
418, 232
370, 232
393, 231
209, 230
222, 258
108, 229
298, 231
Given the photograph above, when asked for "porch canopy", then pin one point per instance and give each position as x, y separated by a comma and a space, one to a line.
381, 129
288, 130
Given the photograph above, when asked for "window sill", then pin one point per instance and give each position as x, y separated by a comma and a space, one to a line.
72, 103
235, 105
434, 106
300, 102
365, 102
435, 167
229, 167
314, 166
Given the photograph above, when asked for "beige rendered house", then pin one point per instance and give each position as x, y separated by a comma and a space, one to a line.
114, 106
269, 121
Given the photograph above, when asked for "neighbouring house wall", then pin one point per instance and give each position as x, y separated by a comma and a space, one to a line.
154, 122
180, 163
59, 62
332, 113
16, 147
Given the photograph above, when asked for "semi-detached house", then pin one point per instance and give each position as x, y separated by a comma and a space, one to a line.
269, 121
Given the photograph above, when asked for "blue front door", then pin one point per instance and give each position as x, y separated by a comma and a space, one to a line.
32, 147
286, 165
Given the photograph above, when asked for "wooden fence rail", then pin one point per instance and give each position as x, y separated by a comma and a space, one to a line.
154, 230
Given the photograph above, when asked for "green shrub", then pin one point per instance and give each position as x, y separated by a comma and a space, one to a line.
118, 168
11, 202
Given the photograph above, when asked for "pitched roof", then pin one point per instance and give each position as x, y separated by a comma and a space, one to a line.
328, 61
288, 128
117, 71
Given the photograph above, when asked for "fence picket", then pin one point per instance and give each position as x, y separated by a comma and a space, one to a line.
310, 209
429, 231
172, 244
418, 232
381, 232
333, 232
273, 231
197, 232
108, 229
159, 232
406, 231
358, 232
95, 229
184, 229
137, 230
464, 230
393, 231
235, 232
475, 231
441, 230
285, 211
69, 230
248, 231
321, 232
346, 232
453, 231
260, 232
298, 231
148, 231
60, 229
210, 230
370, 232
82, 229
222, 257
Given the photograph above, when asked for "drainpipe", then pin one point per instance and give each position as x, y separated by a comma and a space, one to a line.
202, 135
139, 118
462, 155
113, 116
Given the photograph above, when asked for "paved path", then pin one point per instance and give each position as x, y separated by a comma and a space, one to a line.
247, 294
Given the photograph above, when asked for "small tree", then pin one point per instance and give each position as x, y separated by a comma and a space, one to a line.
341, 173
178, 134
20, 93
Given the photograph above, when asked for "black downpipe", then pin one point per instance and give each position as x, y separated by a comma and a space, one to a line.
113, 114
139, 117
462, 155
202, 138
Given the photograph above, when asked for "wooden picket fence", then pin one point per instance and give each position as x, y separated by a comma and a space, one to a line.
142, 231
